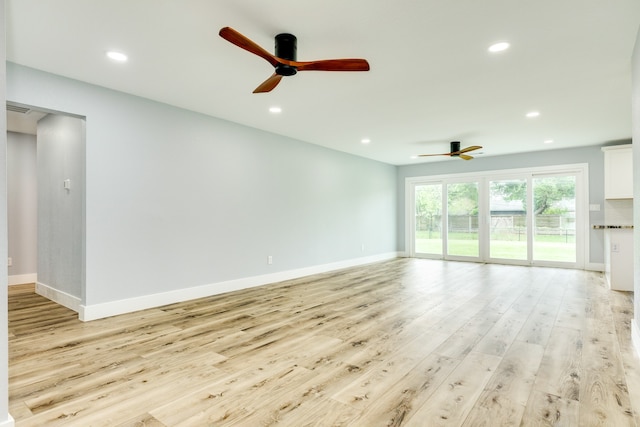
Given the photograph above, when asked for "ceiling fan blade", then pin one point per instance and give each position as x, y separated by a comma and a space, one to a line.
268, 84
332, 65
232, 36
471, 148
465, 157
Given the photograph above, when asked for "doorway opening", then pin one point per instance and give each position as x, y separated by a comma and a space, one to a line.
46, 202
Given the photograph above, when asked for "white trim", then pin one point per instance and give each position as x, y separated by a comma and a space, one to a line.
58, 296
9, 422
113, 308
635, 336
21, 279
594, 266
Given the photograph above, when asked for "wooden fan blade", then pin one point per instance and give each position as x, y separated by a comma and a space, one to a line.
471, 148
332, 65
465, 157
232, 36
269, 84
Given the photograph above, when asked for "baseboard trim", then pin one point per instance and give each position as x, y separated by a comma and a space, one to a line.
635, 336
58, 296
9, 422
594, 266
113, 308
21, 279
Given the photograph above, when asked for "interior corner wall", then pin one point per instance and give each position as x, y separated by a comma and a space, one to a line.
22, 207
60, 203
592, 155
177, 200
635, 117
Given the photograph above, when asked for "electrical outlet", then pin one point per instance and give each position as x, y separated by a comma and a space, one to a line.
9, 262
614, 247
269, 260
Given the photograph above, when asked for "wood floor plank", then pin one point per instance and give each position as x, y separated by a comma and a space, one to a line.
604, 394
544, 410
561, 365
505, 397
400, 401
395, 343
381, 376
452, 401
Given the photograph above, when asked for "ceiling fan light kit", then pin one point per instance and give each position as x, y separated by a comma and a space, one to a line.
285, 60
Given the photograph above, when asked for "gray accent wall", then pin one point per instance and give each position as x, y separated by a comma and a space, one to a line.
60, 218
591, 155
176, 199
22, 203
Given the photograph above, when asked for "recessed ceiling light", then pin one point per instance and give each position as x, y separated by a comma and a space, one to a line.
499, 47
275, 110
548, 141
532, 114
117, 56
365, 140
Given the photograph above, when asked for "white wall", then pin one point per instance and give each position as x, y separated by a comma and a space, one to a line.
22, 207
177, 200
635, 116
591, 155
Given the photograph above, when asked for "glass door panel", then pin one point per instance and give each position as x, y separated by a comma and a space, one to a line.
428, 223
554, 233
462, 219
508, 219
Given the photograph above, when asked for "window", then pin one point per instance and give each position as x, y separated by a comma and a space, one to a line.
527, 217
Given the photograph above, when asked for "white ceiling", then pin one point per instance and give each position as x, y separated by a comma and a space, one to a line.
432, 79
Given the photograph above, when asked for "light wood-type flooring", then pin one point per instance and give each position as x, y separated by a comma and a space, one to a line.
406, 342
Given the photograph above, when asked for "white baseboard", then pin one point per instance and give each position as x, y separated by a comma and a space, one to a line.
635, 336
113, 308
21, 279
58, 296
9, 422
594, 266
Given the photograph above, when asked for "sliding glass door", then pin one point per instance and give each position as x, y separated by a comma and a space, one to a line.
428, 219
524, 217
508, 236
445, 222
554, 204
462, 220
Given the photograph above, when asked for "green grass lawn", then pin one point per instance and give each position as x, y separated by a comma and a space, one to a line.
545, 248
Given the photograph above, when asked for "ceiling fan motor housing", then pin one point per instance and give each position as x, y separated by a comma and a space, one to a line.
286, 48
455, 147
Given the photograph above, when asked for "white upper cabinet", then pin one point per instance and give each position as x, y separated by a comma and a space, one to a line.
618, 172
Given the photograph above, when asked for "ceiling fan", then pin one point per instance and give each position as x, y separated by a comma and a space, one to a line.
284, 60
456, 151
